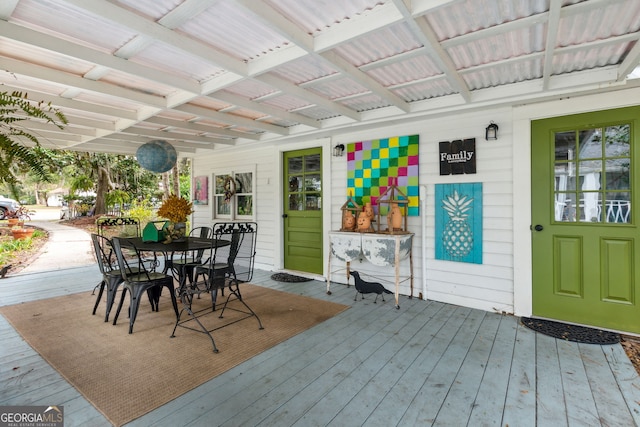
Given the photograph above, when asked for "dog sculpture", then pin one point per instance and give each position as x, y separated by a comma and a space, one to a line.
364, 287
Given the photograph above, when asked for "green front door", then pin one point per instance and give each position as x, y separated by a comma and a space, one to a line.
585, 224
303, 210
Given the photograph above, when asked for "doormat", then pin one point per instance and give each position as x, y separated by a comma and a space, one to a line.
285, 277
564, 331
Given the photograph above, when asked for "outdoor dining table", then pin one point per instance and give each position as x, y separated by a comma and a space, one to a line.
189, 244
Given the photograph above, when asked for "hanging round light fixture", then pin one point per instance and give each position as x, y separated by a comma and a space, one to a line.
157, 156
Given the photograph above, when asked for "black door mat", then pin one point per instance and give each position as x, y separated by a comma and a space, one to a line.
285, 277
563, 331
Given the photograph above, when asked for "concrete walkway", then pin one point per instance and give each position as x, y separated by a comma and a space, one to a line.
68, 247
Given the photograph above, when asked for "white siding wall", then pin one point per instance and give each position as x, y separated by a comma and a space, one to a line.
487, 286
503, 281
267, 188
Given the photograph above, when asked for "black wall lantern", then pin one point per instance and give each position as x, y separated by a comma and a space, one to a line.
338, 150
491, 132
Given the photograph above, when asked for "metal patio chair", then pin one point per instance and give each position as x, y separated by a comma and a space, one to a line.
111, 275
184, 266
138, 280
231, 263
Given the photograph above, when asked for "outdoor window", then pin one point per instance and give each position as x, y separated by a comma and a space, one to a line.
233, 195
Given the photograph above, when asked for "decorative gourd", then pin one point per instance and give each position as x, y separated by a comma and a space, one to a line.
394, 217
364, 222
348, 221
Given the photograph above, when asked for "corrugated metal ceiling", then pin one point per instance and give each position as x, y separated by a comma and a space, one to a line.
204, 74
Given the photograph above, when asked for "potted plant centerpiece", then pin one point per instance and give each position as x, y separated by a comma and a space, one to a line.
176, 210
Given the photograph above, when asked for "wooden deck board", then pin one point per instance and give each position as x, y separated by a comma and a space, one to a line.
378, 388
520, 402
493, 390
437, 336
426, 404
339, 361
426, 364
463, 394
611, 407
581, 408
551, 407
349, 387
627, 379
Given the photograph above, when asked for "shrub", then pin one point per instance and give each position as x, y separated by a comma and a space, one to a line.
143, 210
9, 246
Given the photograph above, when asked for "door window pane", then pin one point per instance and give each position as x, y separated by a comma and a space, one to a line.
295, 165
596, 187
618, 174
312, 202
312, 163
295, 202
590, 207
565, 177
565, 145
618, 207
590, 145
565, 208
295, 184
617, 141
312, 183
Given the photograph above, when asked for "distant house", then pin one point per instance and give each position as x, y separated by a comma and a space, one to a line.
55, 197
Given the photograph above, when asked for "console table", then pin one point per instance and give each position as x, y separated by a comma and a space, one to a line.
379, 249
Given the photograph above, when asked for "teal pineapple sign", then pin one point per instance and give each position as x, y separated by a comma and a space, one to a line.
458, 215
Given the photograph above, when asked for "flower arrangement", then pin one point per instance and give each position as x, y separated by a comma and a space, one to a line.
175, 209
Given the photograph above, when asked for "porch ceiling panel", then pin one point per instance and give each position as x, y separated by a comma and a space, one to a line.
211, 74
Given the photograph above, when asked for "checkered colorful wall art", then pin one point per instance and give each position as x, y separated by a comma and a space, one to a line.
371, 164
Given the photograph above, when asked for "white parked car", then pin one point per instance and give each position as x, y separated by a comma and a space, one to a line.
7, 207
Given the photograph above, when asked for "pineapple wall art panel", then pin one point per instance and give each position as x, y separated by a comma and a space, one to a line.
458, 231
375, 164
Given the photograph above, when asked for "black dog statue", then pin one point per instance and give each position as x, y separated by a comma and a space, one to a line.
364, 287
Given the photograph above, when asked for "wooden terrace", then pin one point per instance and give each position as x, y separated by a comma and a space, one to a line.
427, 363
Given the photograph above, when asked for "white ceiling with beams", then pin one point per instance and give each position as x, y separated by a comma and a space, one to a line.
219, 74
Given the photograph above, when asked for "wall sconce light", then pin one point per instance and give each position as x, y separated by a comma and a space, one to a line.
491, 132
338, 150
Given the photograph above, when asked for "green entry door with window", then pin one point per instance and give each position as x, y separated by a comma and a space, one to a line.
585, 221
303, 210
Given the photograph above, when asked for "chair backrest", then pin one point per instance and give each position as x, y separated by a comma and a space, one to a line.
129, 265
121, 226
104, 253
202, 233
240, 254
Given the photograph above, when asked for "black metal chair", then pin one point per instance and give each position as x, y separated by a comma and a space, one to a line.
231, 263
138, 280
122, 226
111, 275
184, 266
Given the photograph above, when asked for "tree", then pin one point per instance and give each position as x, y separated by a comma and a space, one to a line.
15, 109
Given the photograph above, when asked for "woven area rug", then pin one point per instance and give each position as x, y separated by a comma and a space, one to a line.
575, 333
125, 376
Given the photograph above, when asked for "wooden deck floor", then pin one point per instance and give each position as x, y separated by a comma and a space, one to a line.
427, 363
